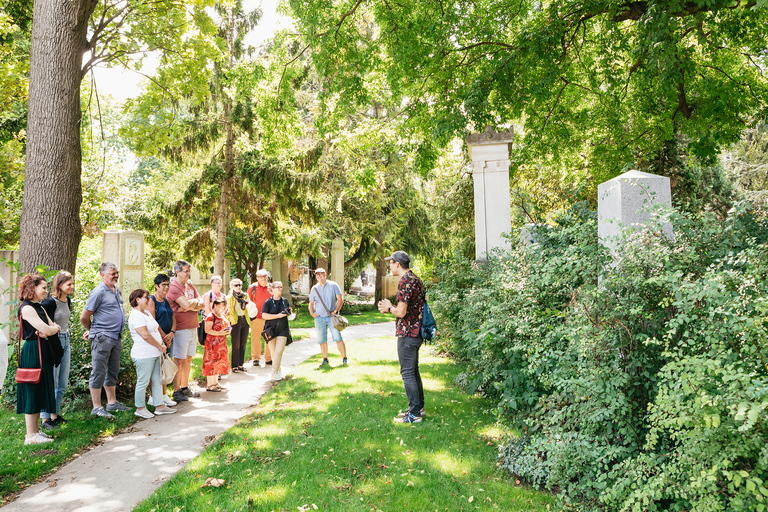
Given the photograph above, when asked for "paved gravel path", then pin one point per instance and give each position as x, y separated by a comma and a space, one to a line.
117, 474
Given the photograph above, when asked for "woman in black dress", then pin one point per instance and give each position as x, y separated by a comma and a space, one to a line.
276, 312
33, 398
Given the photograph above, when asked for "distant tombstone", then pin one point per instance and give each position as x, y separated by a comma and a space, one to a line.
337, 263
279, 272
201, 278
126, 250
489, 152
8, 280
624, 205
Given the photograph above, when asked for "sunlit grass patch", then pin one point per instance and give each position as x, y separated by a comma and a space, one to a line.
328, 438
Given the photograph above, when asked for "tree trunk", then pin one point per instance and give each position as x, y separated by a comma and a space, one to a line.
381, 271
50, 228
221, 232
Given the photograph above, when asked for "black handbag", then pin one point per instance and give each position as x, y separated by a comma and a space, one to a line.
268, 333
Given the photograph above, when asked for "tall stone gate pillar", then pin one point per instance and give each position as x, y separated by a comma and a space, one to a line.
489, 152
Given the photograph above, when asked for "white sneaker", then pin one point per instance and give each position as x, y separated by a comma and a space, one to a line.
277, 376
144, 414
37, 438
262, 362
164, 410
167, 401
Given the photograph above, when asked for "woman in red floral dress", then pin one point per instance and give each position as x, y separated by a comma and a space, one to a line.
216, 355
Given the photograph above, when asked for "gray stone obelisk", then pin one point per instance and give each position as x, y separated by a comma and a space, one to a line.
489, 152
625, 204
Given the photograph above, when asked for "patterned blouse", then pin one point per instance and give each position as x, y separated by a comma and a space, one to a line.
410, 289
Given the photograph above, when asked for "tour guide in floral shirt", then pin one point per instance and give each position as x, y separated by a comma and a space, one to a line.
409, 310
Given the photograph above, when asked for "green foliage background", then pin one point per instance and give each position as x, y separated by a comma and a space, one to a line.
639, 384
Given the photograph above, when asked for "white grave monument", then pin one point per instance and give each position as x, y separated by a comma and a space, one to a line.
489, 152
337, 263
126, 250
8, 280
624, 205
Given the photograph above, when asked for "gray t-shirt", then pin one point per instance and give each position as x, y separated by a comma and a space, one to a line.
108, 312
62, 314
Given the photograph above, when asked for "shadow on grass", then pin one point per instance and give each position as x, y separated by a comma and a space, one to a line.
328, 438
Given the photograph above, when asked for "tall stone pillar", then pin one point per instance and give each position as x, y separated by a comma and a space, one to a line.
625, 203
126, 250
8, 280
280, 273
337, 263
489, 152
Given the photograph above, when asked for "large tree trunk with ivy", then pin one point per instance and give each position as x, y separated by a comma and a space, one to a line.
50, 216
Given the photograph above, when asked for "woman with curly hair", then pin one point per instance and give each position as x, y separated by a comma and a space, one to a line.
35, 325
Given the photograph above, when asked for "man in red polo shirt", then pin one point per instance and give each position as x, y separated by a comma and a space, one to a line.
259, 292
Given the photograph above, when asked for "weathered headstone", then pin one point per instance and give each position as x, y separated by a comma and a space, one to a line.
489, 152
337, 263
8, 280
201, 278
126, 250
624, 205
279, 270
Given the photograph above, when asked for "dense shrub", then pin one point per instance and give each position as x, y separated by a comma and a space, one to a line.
640, 384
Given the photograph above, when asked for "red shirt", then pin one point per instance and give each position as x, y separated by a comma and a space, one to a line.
184, 319
259, 294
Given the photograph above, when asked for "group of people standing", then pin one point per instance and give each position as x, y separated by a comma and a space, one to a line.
166, 321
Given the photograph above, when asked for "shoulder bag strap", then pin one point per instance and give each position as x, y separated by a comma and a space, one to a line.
18, 343
321, 300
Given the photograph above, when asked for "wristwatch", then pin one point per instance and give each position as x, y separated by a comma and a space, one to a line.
390, 309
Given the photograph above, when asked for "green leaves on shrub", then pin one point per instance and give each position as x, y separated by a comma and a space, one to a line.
639, 384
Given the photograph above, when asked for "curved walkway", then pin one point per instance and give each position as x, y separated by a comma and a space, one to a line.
119, 473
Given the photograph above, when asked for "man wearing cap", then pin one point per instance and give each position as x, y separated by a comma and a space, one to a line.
259, 292
408, 314
330, 294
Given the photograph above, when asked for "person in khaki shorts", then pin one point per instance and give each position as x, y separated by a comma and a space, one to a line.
259, 292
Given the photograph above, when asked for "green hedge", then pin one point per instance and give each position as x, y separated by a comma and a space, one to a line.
636, 385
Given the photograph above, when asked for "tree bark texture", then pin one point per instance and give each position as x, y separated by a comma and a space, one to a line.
50, 228
381, 271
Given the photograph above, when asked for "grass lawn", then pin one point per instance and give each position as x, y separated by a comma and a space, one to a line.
362, 315
325, 438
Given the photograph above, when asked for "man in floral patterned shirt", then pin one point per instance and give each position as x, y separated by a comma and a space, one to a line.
409, 310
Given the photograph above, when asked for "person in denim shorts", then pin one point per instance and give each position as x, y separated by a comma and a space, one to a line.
331, 296
103, 319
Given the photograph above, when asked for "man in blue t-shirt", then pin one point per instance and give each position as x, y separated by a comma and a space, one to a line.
103, 319
326, 294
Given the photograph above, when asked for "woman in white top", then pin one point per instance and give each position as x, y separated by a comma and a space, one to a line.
147, 346
216, 284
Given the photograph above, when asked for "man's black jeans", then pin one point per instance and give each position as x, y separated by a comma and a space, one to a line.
408, 355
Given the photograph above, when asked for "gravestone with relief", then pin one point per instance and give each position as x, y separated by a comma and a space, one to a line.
126, 250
